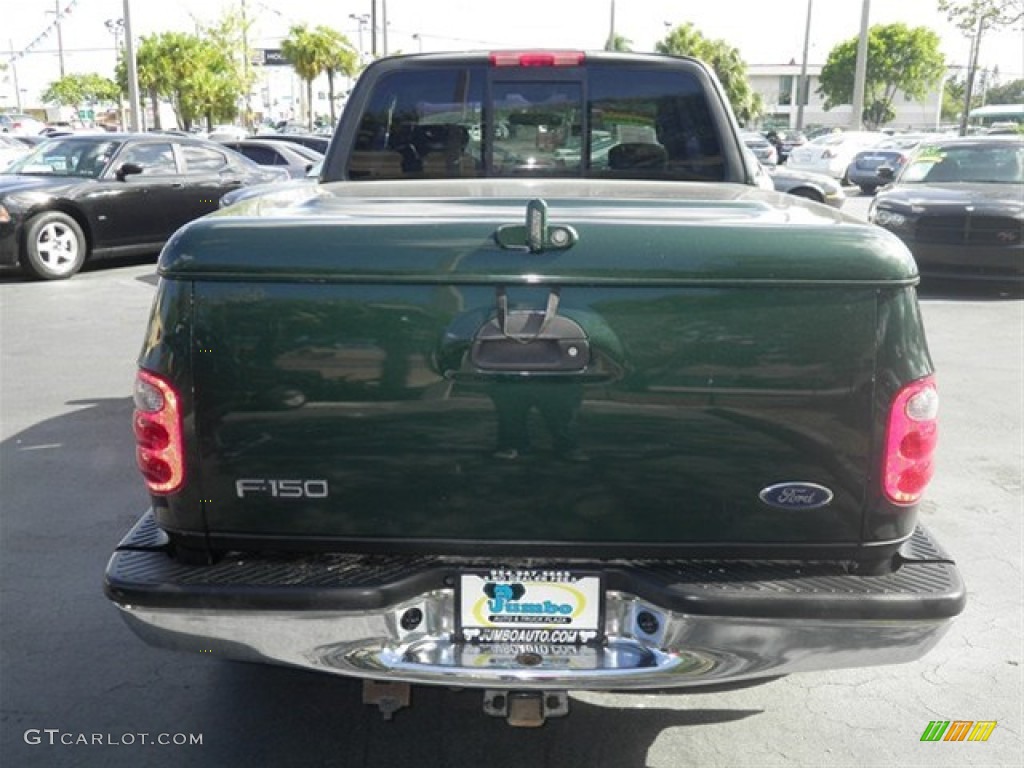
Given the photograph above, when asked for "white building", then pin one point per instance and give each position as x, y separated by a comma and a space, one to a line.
778, 86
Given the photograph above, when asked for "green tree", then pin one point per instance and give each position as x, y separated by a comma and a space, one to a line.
234, 75
82, 90
687, 40
900, 59
198, 74
154, 74
619, 43
975, 18
953, 99
1010, 93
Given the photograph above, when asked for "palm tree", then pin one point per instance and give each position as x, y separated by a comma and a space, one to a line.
342, 59
309, 55
153, 73
725, 60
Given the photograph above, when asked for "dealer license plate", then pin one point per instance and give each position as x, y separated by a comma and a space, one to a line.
533, 606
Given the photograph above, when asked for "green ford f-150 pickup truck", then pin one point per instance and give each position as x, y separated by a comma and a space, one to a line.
536, 391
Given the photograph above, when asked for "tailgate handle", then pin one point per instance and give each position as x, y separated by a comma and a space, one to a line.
525, 341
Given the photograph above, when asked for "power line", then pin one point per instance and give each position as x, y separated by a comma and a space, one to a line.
51, 27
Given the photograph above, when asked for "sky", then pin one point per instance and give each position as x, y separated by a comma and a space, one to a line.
764, 32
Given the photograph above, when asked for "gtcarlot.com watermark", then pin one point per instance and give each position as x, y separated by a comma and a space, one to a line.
56, 737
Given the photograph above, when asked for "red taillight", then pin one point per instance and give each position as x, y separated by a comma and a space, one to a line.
158, 434
537, 58
910, 441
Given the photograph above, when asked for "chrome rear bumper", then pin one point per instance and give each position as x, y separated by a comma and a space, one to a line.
690, 651
677, 635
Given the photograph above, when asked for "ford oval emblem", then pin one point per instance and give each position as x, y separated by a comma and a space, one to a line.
796, 496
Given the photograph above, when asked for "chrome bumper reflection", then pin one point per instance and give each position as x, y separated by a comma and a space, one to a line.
677, 650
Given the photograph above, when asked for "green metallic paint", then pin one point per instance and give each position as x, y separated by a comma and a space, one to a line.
724, 241
703, 397
724, 359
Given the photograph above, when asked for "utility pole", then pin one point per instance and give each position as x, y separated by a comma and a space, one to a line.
373, 29
14, 74
857, 113
384, 26
60, 37
132, 68
802, 87
972, 68
245, 69
610, 45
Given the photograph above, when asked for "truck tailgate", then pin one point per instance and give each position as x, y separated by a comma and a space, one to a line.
401, 377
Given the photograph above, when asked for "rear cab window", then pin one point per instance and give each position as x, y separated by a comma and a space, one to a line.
484, 119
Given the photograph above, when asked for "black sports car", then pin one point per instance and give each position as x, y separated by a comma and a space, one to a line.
318, 143
958, 204
98, 195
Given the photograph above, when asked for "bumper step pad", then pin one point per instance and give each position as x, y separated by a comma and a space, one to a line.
926, 586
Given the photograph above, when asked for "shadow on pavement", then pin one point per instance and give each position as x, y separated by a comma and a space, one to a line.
276, 716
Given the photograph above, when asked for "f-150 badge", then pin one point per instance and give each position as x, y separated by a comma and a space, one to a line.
796, 496
281, 488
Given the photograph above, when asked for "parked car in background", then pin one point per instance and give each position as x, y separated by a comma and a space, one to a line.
813, 186
66, 128
893, 152
10, 150
89, 196
280, 192
28, 141
831, 153
227, 133
1005, 127
790, 141
957, 205
319, 143
20, 124
763, 149
296, 159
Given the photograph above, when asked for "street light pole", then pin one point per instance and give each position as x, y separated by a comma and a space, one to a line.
361, 21
116, 27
